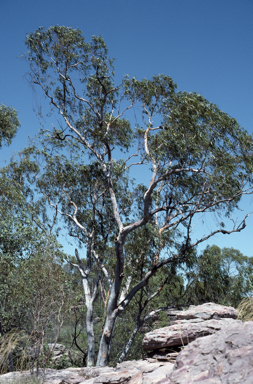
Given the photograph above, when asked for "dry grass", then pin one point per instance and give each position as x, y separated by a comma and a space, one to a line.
13, 347
16, 351
245, 309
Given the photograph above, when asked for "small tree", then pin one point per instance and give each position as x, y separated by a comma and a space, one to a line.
197, 158
220, 275
25, 239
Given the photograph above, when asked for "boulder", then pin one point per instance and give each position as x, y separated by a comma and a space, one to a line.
205, 311
223, 358
182, 333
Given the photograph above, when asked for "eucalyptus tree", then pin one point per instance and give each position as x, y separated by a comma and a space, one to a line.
196, 160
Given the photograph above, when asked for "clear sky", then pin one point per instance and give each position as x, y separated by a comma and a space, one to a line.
204, 45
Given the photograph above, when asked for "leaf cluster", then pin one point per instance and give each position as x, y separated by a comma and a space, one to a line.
9, 124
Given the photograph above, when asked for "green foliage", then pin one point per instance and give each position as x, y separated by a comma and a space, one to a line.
124, 327
196, 145
222, 276
27, 253
163, 319
9, 124
197, 160
20, 303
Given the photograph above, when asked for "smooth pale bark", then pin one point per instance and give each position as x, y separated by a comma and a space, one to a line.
90, 336
105, 342
89, 300
112, 309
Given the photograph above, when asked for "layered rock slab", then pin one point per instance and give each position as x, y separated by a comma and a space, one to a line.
182, 333
225, 357
131, 372
205, 311
185, 326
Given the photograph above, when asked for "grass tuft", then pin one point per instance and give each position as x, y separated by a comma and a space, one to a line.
17, 353
245, 309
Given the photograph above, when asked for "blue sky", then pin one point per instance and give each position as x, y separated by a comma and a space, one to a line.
204, 45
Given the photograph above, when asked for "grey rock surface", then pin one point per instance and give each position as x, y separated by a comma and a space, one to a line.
131, 372
205, 311
182, 333
225, 357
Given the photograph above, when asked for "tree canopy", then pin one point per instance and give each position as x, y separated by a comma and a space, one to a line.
196, 160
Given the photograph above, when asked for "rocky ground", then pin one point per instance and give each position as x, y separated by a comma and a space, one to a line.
203, 345
198, 321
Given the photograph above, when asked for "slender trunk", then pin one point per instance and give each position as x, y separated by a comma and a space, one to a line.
89, 325
112, 313
139, 322
90, 336
105, 342
89, 300
112, 310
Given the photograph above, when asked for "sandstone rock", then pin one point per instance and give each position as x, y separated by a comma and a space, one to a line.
14, 376
131, 372
182, 333
205, 311
137, 379
51, 376
134, 372
223, 358
157, 375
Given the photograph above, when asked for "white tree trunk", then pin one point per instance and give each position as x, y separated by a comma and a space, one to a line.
90, 336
